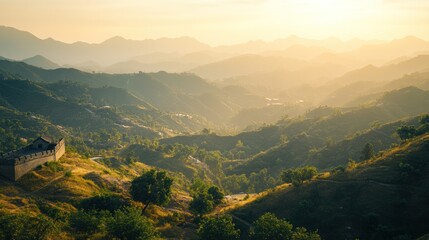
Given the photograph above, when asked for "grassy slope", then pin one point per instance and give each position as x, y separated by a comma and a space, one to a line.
376, 200
61, 185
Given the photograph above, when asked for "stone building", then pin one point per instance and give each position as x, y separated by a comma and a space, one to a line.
15, 164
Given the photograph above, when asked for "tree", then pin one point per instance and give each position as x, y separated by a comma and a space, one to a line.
201, 204
269, 227
367, 152
216, 195
260, 181
152, 187
236, 183
424, 119
205, 198
297, 176
206, 131
301, 233
406, 132
198, 186
308, 172
129, 224
220, 227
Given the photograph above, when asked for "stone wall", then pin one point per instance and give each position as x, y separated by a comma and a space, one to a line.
26, 167
16, 168
60, 149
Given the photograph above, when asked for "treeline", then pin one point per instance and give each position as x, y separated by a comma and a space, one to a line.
267, 226
406, 132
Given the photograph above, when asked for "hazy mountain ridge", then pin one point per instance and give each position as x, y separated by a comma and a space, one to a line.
118, 54
371, 79
18, 44
42, 62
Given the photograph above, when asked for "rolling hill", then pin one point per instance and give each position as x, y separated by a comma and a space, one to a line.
168, 92
384, 198
371, 79
309, 135
385, 73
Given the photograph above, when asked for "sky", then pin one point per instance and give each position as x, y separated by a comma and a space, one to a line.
217, 21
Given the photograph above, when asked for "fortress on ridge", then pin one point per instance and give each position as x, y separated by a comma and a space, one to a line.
15, 164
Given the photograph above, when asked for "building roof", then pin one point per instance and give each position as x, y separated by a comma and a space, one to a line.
45, 139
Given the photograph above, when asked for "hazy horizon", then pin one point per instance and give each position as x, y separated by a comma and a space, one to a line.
219, 22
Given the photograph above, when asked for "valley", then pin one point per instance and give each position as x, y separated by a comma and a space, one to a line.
173, 138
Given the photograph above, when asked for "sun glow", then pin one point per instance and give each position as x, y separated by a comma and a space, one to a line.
218, 21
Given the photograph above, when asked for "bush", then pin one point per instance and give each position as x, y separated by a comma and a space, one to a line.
107, 202
54, 166
68, 173
297, 176
129, 223
87, 221
269, 227
201, 204
301, 233
205, 198
25, 227
220, 227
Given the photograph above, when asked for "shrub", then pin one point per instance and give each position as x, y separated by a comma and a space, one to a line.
298, 175
129, 223
201, 204
68, 173
109, 202
25, 227
87, 221
269, 227
220, 227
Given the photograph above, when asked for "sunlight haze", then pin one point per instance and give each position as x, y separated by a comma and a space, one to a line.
218, 21
214, 119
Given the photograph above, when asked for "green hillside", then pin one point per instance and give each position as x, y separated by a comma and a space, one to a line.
253, 141
165, 91
16, 128
385, 198
299, 141
103, 115
56, 192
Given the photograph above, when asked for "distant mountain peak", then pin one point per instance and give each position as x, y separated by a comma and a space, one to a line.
369, 67
41, 61
409, 40
115, 39
13, 32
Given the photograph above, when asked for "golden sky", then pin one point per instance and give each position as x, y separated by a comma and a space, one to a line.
217, 21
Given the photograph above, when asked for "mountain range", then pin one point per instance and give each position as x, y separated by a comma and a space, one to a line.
120, 55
